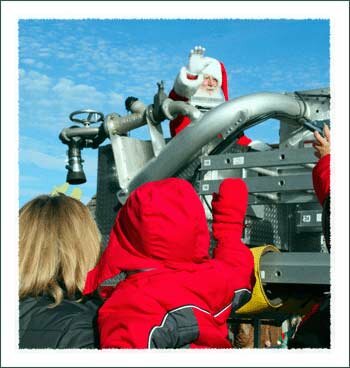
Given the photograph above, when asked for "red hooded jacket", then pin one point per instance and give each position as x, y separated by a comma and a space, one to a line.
178, 296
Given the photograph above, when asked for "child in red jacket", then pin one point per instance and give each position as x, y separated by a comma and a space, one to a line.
175, 295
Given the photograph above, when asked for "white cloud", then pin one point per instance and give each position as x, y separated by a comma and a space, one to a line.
41, 159
63, 55
96, 61
115, 98
28, 61
36, 144
46, 104
52, 155
44, 50
65, 89
83, 75
32, 81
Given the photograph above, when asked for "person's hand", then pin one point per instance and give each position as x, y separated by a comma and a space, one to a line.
322, 145
197, 61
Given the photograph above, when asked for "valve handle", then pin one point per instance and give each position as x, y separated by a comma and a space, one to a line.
92, 117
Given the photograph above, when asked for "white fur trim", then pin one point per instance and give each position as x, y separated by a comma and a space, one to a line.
186, 87
259, 146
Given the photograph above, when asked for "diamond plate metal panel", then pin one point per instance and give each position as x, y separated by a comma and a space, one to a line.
130, 155
270, 227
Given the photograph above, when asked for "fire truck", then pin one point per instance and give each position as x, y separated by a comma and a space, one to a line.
283, 225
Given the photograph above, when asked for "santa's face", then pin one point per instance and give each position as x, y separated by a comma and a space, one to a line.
210, 85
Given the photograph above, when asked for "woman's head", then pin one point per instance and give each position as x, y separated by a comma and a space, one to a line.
59, 243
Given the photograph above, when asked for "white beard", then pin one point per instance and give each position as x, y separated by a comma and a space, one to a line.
204, 99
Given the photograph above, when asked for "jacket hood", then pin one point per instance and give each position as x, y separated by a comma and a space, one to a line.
162, 224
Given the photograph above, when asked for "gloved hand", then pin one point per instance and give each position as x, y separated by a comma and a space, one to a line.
191, 77
197, 61
229, 208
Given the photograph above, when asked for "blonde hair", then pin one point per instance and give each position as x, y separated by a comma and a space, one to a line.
59, 243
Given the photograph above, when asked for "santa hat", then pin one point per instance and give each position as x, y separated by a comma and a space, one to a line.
217, 70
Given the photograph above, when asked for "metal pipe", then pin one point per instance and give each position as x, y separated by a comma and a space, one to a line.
120, 125
172, 109
309, 166
264, 171
86, 132
271, 196
138, 107
233, 116
100, 138
116, 124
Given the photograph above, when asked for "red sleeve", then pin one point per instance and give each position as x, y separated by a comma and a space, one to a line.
180, 122
229, 209
174, 96
321, 178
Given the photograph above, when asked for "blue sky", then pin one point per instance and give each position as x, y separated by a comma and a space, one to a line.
67, 65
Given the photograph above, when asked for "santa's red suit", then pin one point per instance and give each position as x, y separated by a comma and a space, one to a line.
175, 294
186, 88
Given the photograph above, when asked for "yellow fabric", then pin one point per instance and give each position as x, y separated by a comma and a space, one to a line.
60, 189
259, 301
76, 192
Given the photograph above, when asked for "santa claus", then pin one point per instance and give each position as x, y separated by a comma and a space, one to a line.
202, 83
